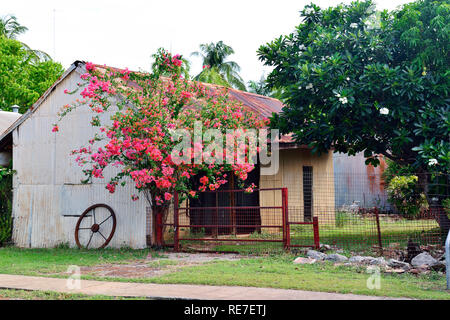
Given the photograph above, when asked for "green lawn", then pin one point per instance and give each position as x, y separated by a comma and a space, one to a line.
280, 272
11, 294
276, 271
38, 261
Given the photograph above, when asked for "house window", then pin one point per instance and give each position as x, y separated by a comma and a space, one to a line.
307, 192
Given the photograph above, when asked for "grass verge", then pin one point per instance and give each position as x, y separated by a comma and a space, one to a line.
45, 261
272, 271
12, 294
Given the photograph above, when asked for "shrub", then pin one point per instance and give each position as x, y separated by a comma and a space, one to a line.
446, 204
394, 169
5, 204
404, 194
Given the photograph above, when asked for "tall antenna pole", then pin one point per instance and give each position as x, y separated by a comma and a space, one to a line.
54, 34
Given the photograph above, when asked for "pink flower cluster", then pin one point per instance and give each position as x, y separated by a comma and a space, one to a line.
139, 140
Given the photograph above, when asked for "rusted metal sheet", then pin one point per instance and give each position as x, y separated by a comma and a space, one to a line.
48, 196
358, 184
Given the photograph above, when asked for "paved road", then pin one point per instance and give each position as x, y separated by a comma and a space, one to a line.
170, 291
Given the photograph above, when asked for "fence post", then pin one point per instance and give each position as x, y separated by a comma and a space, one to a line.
176, 230
377, 218
316, 232
285, 213
447, 260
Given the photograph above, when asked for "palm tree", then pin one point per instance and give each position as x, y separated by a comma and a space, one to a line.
260, 87
215, 67
10, 28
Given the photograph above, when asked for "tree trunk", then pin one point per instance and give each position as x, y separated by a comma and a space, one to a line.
159, 220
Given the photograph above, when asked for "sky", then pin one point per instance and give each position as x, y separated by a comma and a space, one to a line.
126, 33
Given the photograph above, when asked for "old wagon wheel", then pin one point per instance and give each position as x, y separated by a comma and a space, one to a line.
95, 230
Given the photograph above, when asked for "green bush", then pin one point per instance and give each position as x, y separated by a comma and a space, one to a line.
404, 194
5, 204
394, 170
446, 204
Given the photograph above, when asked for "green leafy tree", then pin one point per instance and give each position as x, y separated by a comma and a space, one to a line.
216, 68
259, 87
355, 79
11, 28
23, 78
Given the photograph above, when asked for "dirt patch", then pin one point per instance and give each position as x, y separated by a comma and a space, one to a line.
155, 266
196, 257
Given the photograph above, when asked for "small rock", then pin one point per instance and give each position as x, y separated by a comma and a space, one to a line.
325, 247
313, 254
377, 261
423, 259
357, 259
336, 257
368, 260
399, 264
301, 260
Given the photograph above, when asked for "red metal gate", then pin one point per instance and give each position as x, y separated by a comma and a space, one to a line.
258, 220
314, 223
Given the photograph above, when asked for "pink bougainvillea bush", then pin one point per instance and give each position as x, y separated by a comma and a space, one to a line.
139, 138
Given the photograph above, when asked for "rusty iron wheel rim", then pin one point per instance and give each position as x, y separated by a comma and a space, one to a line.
95, 227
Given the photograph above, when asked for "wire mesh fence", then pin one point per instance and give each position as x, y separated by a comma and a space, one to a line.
351, 212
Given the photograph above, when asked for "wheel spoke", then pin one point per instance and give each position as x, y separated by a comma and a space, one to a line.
105, 220
94, 215
102, 235
87, 246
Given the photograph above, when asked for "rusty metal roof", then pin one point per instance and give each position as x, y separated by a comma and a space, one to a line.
261, 105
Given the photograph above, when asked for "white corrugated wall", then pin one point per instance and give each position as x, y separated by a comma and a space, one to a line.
47, 187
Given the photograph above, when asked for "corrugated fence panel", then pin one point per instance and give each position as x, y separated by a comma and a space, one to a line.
355, 182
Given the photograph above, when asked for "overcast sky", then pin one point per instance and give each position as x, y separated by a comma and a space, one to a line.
125, 33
